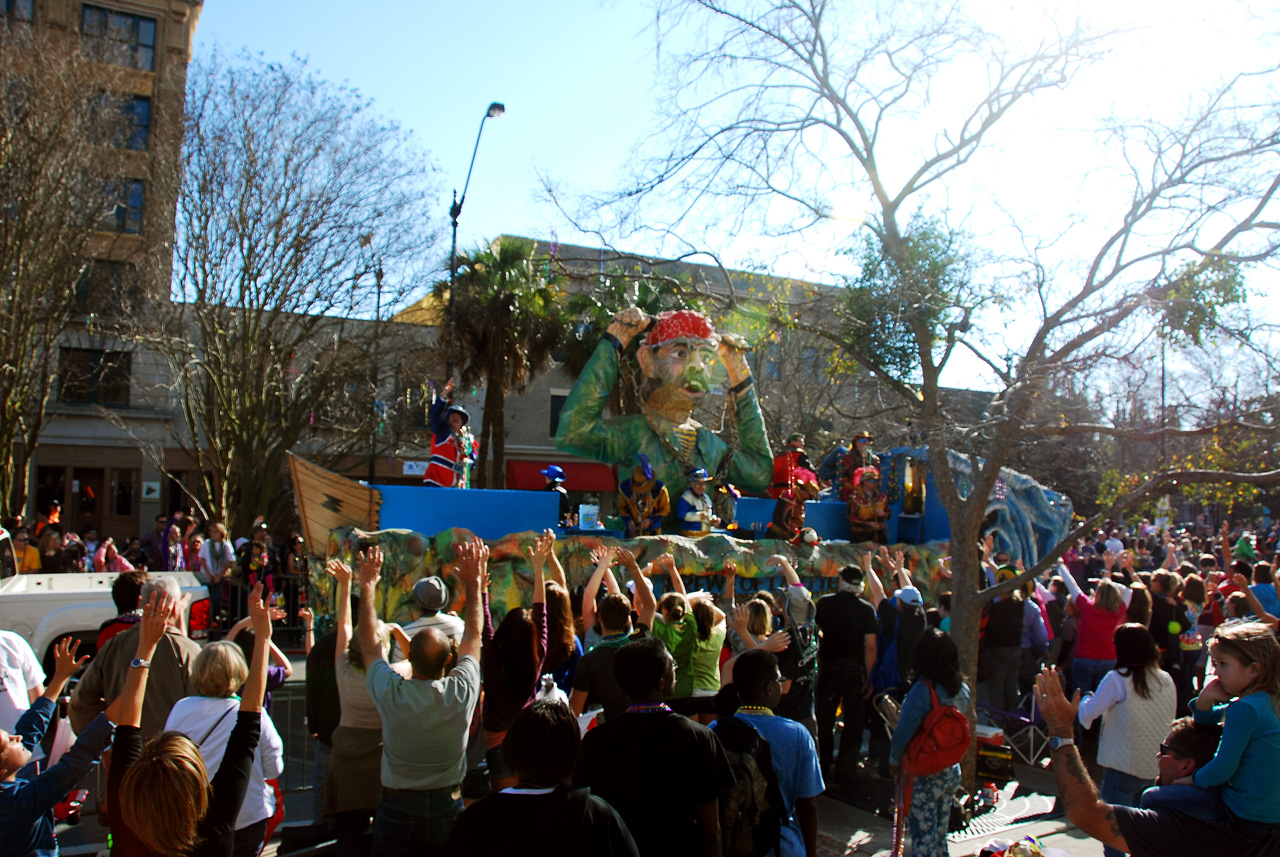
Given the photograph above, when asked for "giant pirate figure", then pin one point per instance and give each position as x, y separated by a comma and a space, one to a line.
675, 359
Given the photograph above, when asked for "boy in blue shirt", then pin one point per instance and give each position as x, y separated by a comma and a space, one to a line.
26, 805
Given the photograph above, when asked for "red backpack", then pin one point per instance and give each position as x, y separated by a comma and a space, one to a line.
941, 742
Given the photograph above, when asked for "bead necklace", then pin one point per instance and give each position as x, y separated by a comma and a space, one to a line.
761, 710
647, 707
615, 640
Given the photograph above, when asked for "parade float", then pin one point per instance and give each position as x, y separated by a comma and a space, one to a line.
419, 527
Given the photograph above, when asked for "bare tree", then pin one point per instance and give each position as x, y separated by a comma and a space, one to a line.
60, 117
787, 106
303, 218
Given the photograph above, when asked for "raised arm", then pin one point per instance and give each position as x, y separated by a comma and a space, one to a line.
553, 561
872, 580
642, 601
341, 574
1255, 606
603, 558
677, 582
537, 556
473, 562
370, 574
901, 575
126, 709
1077, 794
64, 666
730, 593
308, 629
255, 687
784, 565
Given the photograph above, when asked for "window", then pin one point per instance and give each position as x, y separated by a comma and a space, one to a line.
124, 208
557, 405
137, 114
130, 126
123, 39
124, 492
17, 10
93, 377
107, 288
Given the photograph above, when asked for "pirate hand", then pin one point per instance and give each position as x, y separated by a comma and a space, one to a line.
627, 323
733, 354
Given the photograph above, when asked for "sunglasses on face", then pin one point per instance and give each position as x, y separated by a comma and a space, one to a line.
1166, 750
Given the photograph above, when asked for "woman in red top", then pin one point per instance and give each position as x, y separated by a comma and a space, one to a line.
1100, 615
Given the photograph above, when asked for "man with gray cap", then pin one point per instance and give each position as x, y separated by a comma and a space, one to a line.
432, 596
846, 654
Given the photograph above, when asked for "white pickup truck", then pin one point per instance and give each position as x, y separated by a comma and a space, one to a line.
44, 608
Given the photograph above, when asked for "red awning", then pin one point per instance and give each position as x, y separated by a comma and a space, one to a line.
578, 475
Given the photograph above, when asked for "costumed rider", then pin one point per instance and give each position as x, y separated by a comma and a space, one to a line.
453, 449
785, 464
675, 359
868, 507
554, 474
788, 513
642, 501
693, 509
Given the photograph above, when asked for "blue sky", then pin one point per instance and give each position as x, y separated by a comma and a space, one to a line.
578, 80
575, 78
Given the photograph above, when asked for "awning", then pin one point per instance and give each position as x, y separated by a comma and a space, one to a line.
578, 475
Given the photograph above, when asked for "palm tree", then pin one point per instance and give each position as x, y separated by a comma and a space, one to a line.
508, 325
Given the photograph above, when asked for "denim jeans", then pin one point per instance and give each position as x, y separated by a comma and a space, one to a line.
1121, 789
1087, 673
414, 824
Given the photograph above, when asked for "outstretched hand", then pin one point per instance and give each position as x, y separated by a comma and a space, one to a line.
339, 571
600, 553
259, 613
473, 565
543, 544
65, 663
776, 642
371, 566
1059, 712
157, 614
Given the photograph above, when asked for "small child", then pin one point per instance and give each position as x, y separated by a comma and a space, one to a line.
26, 806
1237, 786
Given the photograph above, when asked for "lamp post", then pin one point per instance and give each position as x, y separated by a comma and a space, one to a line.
495, 110
366, 242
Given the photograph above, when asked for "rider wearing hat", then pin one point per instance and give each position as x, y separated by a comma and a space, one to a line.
453, 449
693, 509
554, 474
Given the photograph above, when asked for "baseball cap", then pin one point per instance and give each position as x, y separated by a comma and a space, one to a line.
910, 595
851, 574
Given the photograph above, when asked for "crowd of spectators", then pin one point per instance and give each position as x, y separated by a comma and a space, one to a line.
635, 715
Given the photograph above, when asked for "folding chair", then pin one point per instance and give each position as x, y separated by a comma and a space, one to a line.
1024, 729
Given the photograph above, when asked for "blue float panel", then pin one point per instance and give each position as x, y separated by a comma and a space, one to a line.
829, 520
489, 514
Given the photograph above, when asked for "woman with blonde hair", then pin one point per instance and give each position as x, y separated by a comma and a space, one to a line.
166, 802
216, 674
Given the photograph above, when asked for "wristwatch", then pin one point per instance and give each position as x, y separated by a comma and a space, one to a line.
139, 663
1057, 743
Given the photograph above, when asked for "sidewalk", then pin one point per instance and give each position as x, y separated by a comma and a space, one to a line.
844, 830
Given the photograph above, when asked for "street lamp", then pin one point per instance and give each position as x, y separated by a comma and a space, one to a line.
495, 110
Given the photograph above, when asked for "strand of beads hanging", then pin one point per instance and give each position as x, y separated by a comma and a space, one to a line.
761, 710
615, 640
647, 707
